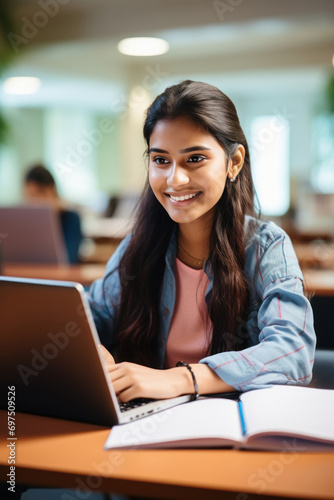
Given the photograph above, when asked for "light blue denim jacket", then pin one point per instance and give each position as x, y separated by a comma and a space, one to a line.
279, 331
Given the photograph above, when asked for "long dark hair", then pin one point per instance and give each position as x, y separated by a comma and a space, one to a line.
144, 258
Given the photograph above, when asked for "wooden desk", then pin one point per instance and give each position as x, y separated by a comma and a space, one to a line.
58, 453
81, 273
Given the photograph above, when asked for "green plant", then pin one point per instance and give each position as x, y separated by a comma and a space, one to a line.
329, 95
6, 55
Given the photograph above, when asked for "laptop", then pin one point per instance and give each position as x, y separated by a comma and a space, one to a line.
50, 356
32, 234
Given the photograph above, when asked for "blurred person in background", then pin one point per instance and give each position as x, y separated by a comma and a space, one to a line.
40, 187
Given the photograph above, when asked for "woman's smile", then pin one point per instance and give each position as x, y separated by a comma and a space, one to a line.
182, 198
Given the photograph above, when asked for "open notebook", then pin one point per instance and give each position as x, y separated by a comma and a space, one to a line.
275, 418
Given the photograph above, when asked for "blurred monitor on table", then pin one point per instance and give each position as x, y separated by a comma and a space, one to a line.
39, 188
31, 234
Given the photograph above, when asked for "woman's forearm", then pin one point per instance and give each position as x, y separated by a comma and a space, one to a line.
207, 380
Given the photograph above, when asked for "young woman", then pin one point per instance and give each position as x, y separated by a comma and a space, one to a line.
200, 279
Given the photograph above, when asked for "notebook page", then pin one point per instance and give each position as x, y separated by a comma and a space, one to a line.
202, 422
290, 410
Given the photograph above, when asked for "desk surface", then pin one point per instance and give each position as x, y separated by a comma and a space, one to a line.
57, 453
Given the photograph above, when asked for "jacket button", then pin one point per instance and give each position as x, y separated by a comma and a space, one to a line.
166, 311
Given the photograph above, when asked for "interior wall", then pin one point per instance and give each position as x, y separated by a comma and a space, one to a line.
110, 145
25, 147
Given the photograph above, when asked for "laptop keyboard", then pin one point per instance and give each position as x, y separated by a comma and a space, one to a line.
134, 403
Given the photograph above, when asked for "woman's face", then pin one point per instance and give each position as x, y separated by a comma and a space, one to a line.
187, 170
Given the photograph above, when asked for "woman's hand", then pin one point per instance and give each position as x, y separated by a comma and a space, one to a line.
136, 381
133, 381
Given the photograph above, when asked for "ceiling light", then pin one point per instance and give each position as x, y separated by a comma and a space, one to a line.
143, 46
22, 85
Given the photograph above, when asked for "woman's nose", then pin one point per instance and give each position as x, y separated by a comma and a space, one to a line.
178, 176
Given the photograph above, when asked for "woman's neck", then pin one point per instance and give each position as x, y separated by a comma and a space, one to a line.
193, 244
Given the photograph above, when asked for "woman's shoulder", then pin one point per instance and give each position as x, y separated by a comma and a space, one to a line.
269, 252
263, 232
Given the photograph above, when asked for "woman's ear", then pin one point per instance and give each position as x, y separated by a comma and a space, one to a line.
236, 162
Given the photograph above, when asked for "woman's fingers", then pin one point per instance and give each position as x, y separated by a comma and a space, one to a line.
121, 386
128, 394
108, 358
127, 380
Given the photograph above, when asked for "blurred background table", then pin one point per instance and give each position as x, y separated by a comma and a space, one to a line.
319, 281
81, 273
318, 253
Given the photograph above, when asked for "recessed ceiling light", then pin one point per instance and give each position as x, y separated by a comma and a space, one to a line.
22, 85
143, 46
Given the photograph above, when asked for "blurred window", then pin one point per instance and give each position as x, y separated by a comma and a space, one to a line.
71, 145
322, 176
269, 147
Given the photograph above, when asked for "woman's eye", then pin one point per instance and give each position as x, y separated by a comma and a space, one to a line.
159, 160
196, 158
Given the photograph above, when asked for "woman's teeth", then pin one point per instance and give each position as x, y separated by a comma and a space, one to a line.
182, 198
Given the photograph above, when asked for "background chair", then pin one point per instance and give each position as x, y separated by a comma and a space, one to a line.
323, 372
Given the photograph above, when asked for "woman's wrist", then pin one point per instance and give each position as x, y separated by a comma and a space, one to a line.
183, 381
193, 377
207, 380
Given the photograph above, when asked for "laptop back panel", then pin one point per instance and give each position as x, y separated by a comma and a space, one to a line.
48, 351
31, 234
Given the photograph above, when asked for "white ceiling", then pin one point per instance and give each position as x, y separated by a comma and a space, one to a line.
273, 42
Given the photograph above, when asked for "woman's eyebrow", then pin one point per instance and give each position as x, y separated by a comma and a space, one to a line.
187, 150
157, 150
194, 148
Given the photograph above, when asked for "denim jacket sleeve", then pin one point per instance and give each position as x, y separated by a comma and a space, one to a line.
280, 321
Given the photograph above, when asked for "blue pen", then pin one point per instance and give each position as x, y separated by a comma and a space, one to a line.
242, 418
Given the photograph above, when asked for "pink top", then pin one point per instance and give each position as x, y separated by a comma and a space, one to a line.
190, 330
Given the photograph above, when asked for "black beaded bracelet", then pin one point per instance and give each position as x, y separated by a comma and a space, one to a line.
183, 363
